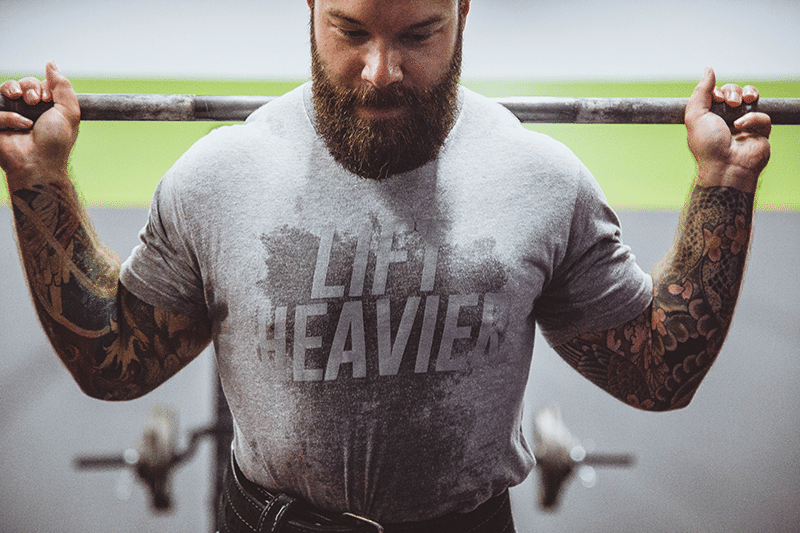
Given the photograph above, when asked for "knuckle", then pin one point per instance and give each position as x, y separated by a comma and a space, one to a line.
10, 87
29, 83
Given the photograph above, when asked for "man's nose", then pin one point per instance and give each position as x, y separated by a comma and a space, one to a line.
382, 66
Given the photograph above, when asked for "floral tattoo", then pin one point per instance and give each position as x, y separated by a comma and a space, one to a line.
657, 360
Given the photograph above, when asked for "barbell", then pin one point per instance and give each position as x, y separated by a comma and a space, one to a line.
541, 109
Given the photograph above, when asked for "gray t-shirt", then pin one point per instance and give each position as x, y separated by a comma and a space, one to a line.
374, 337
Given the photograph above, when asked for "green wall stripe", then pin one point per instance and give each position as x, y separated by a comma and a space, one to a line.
640, 167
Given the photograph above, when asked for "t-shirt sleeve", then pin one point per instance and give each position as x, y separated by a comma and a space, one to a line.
598, 284
163, 270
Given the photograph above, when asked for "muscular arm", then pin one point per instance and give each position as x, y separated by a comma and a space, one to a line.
116, 346
657, 360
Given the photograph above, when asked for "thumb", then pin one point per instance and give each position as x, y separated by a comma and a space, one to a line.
64, 97
702, 97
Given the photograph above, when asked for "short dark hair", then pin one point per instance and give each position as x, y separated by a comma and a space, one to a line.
460, 3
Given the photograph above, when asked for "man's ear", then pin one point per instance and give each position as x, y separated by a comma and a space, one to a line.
463, 7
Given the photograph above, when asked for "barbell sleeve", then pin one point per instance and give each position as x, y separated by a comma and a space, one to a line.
539, 109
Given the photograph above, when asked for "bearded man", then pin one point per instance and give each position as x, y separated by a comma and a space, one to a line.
405, 124
371, 254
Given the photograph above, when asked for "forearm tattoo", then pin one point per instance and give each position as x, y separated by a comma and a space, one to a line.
657, 360
116, 346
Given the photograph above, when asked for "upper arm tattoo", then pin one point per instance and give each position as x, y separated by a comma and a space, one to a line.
657, 360
115, 345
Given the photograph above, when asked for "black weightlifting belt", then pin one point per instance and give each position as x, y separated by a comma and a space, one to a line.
258, 510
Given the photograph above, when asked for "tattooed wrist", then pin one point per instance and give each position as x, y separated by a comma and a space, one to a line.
696, 292
52, 208
57, 245
710, 251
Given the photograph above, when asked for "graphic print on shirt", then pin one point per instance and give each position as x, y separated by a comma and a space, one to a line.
379, 302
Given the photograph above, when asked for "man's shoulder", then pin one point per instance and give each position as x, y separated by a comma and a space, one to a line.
290, 103
485, 122
282, 118
481, 111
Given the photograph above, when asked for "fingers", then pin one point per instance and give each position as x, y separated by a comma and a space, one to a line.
14, 121
26, 88
731, 94
749, 94
11, 89
54, 88
734, 95
757, 123
29, 89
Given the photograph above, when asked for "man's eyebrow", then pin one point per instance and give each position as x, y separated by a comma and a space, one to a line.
337, 14
430, 21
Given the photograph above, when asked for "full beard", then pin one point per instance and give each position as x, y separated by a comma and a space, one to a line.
379, 148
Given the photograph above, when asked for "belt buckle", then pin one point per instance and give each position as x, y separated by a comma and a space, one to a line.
366, 521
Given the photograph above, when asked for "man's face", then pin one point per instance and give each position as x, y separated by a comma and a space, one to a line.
385, 80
